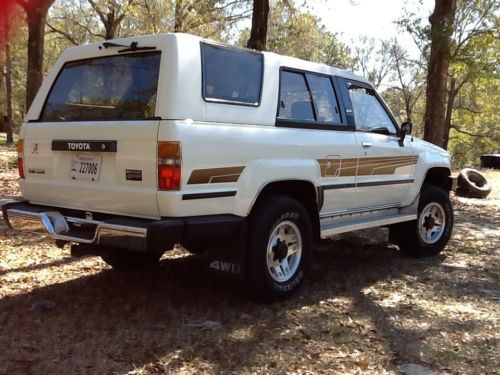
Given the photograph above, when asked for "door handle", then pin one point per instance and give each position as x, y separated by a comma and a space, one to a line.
366, 144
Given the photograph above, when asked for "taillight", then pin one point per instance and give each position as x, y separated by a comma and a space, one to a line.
20, 157
169, 165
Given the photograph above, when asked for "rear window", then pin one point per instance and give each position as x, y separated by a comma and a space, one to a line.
119, 87
231, 75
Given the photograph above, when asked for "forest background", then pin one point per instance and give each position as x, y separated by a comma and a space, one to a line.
449, 88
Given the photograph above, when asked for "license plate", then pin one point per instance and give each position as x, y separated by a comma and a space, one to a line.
85, 167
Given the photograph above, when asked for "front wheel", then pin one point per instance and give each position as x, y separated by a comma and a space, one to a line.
429, 234
279, 247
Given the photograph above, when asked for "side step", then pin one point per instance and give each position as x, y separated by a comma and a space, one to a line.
332, 227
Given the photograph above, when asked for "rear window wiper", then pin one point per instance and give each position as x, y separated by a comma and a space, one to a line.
131, 48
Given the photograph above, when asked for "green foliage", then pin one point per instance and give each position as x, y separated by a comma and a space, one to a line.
293, 31
300, 34
472, 78
476, 121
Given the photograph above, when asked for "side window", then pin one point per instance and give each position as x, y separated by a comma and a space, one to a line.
295, 98
231, 75
369, 113
327, 108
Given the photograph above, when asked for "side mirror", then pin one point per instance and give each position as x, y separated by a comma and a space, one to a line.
406, 128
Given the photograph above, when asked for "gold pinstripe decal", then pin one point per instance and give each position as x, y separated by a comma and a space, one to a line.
215, 175
364, 166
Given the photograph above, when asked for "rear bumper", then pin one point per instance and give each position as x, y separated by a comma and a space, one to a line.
118, 231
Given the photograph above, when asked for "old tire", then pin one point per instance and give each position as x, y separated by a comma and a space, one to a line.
472, 184
429, 234
121, 259
279, 248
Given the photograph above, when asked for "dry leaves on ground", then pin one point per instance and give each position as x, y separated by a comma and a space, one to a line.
365, 308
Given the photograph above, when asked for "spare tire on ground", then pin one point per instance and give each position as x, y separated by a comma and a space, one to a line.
472, 184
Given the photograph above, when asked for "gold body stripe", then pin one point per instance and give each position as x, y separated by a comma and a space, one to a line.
215, 175
364, 166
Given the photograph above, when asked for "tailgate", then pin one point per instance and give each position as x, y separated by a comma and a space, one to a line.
62, 168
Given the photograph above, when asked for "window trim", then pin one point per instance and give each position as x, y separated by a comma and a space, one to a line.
347, 83
317, 125
330, 78
236, 49
39, 119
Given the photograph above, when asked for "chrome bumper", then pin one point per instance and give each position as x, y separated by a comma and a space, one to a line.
70, 229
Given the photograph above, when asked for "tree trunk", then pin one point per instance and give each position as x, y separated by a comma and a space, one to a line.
2, 74
258, 35
452, 94
110, 31
36, 16
8, 85
9, 126
178, 17
408, 108
111, 25
436, 96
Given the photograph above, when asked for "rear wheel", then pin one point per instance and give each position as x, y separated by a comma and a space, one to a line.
125, 260
429, 234
280, 245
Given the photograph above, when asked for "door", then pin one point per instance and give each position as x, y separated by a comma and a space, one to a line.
309, 101
385, 168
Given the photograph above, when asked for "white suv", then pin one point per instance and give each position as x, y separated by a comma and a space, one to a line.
134, 145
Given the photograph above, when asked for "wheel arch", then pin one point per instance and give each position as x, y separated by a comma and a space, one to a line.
301, 190
439, 176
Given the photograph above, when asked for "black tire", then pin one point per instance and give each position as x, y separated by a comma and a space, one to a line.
270, 214
472, 184
410, 236
121, 259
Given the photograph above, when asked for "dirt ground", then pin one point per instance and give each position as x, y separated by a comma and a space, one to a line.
365, 308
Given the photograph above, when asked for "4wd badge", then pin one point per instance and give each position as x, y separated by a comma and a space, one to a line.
228, 267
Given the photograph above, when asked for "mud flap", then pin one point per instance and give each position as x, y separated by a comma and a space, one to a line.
227, 258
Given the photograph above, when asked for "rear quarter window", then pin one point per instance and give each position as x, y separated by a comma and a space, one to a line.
120, 87
231, 75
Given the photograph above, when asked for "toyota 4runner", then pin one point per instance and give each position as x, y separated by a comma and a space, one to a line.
134, 145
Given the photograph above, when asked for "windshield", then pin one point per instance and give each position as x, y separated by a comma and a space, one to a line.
119, 87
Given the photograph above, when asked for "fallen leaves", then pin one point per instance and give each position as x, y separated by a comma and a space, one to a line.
363, 310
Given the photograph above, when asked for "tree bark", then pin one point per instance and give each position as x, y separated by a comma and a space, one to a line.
111, 18
9, 126
452, 94
258, 34
436, 96
2, 75
36, 14
178, 16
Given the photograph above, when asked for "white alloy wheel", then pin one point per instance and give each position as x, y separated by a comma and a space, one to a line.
432, 223
284, 251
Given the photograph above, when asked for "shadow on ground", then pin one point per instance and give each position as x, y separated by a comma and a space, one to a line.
363, 308
117, 322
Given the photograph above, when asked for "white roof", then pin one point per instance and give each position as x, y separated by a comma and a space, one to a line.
181, 77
